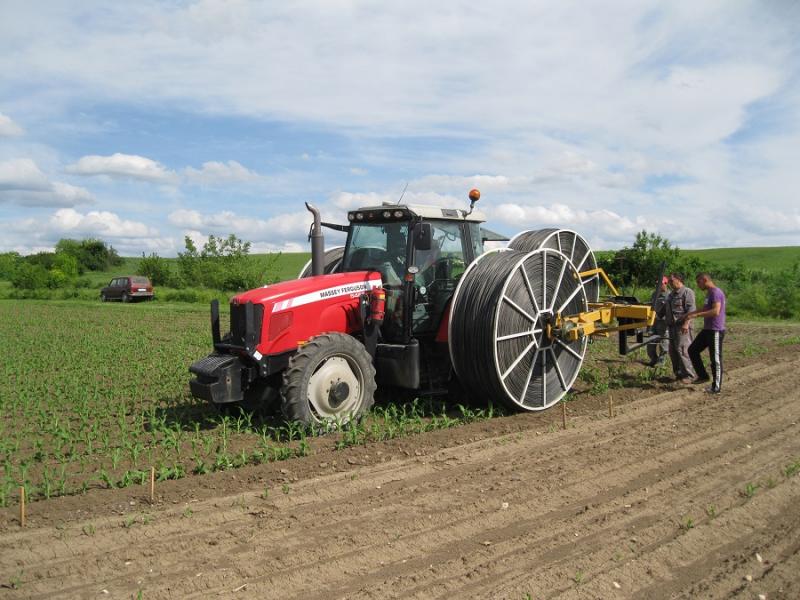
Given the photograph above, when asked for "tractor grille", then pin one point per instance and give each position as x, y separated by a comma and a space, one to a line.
239, 328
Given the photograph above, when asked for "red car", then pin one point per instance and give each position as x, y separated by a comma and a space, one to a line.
127, 289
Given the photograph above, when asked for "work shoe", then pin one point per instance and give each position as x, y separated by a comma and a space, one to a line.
699, 380
711, 390
685, 380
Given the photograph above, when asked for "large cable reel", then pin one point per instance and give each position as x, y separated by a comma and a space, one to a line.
502, 312
569, 243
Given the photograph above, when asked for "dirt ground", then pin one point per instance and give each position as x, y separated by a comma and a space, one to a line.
678, 495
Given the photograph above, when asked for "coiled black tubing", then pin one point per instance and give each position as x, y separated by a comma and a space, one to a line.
569, 243
494, 345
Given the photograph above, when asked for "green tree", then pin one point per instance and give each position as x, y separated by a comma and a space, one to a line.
222, 263
189, 264
156, 268
92, 254
8, 264
30, 276
640, 264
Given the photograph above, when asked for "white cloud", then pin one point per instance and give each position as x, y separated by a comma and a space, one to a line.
123, 165
41, 234
24, 184
8, 128
22, 174
641, 109
275, 230
97, 223
214, 172
600, 223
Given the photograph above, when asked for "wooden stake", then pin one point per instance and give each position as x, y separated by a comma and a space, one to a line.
610, 405
22, 506
152, 485
563, 414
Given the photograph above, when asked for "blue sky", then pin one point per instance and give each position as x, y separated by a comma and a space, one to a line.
141, 124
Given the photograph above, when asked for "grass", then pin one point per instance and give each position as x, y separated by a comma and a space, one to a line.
287, 266
100, 394
770, 259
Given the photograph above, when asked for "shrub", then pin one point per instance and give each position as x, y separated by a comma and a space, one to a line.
8, 264
156, 268
91, 254
30, 276
223, 263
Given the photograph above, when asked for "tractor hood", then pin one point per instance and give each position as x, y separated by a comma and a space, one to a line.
310, 290
292, 312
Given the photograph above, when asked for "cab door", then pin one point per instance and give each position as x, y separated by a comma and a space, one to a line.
439, 270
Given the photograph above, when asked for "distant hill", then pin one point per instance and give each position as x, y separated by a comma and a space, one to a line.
767, 258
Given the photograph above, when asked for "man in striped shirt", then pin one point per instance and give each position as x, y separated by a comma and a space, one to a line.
713, 313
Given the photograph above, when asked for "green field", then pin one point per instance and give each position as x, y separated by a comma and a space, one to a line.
287, 266
767, 258
94, 395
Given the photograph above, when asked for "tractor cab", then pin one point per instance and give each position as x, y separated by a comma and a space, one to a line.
420, 252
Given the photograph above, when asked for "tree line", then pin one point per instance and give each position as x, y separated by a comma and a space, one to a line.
221, 263
61, 268
225, 264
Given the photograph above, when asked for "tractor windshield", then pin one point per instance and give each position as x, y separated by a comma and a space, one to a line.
378, 247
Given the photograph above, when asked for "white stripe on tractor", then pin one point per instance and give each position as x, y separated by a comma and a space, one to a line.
340, 290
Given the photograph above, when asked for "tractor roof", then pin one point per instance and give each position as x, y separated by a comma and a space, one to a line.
424, 211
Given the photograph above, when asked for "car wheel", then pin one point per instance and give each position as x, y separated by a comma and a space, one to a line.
103, 298
125, 297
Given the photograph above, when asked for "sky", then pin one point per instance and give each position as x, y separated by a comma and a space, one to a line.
142, 123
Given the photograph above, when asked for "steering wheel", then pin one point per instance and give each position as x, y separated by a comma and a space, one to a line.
368, 257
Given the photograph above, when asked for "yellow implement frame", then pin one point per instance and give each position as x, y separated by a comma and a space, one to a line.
599, 319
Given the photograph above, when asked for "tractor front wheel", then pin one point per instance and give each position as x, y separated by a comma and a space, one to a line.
331, 379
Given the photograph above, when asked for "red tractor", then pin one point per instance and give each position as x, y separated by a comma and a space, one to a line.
413, 302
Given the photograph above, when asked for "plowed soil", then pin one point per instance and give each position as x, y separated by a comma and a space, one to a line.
679, 494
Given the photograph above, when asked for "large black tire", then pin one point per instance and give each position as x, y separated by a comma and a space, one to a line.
331, 379
332, 262
125, 297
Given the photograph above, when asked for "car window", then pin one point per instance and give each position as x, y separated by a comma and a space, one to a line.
140, 280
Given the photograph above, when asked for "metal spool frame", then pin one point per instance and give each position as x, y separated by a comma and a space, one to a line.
499, 326
569, 243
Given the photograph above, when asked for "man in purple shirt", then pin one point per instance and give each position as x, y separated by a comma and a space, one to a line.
713, 313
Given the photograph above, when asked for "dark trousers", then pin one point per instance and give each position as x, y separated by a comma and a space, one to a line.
713, 341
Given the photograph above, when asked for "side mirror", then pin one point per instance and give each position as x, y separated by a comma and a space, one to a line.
423, 236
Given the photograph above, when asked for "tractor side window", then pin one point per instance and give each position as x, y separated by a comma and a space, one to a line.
477, 239
445, 260
439, 271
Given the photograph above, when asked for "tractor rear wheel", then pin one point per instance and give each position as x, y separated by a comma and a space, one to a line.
331, 379
332, 261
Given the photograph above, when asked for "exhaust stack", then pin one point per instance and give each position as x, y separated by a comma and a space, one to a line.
317, 243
